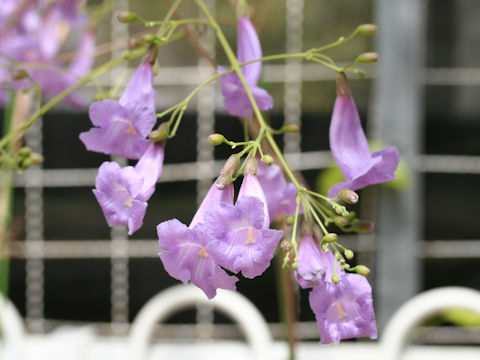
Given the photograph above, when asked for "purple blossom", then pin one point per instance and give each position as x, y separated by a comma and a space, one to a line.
123, 192
184, 249
236, 101
345, 310
315, 266
350, 150
280, 196
242, 240
185, 256
122, 127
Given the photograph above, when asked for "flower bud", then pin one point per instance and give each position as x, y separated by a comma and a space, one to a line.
223, 181
335, 278
19, 74
267, 160
37, 158
290, 220
126, 17
349, 196
26, 163
291, 128
160, 134
134, 43
24, 152
215, 139
362, 270
340, 221
367, 29
363, 226
330, 238
285, 245
367, 58
349, 254
250, 167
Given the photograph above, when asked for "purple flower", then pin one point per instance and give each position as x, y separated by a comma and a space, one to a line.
345, 310
349, 147
315, 266
185, 257
184, 249
123, 192
122, 127
280, 196
242, 240
236, 101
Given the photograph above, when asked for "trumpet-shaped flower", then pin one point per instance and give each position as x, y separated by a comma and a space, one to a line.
315, 266
185, 250
122, 127
280, 196
344, 310
123, 192
242, 240
236, 101
350, 150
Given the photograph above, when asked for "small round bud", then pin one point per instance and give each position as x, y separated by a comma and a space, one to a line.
362, 270
291, 128
340, 221
250, 167
349, 196
339, 209
37, 158
335, 278
367, 29
26, 163
24, 152
150, 38
160, 134
330, 238
295, 265
216, 139
349, 254
346, 266
285, 245
267, 160
290, 220
363, 226
126, 17
367, 58
342, 261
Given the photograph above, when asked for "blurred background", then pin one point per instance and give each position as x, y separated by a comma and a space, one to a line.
69, 267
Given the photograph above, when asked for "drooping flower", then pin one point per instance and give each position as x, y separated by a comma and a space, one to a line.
122, 127
184, 250
350, 150
123, 192
315, 266
236, 101
242, 240
344, 310
280, 196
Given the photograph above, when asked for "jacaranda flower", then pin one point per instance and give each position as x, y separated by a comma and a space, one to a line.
122, 127
315, 266
280, 196
344, 310
185, 250
242, 238
349, 147
123, 192
235, 100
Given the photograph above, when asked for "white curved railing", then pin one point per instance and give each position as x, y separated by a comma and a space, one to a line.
180, 297
420, 308
11, 325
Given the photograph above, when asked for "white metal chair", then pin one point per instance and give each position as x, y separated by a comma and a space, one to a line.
181, 297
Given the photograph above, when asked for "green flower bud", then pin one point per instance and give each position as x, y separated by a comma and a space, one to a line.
290, 220
330, 238
160, 134
250, 167
367, 29
216, 139
223, 181
267, 160
340, 221
335, 278
24, 152
126, 17
37, 158
367, 58
349, 254
349, 196
363, 226
291, 128
26, 163
362, 270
